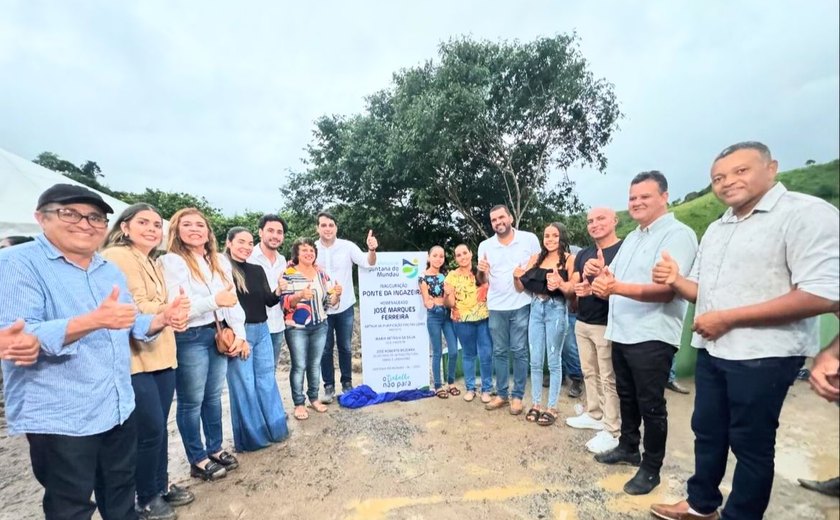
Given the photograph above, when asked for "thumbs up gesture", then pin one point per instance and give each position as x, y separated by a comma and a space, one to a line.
176, 314
666, 271
594, 266
583, 289
552, 280
111, 314
483, 265
18, 346
372, 243
306, 293
226, 298
604, 285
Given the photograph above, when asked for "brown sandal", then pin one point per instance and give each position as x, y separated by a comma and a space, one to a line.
442, 393
547, 418
533, 414
453, 390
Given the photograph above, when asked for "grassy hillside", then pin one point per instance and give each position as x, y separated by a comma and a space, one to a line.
819, 180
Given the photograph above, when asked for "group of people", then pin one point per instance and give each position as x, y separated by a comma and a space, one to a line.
760, 277
72, 309
101, 333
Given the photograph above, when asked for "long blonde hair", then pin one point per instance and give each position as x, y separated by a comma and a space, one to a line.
175, 245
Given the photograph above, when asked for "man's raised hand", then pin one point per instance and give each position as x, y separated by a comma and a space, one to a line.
18, 346
111, 314
372, 243
666, 271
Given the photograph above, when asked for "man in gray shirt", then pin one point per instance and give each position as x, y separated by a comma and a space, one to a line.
644, 324
765, 270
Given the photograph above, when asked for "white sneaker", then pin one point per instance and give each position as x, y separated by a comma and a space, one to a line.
585, 422
602, 442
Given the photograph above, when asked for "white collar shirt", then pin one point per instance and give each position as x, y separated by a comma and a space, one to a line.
789, 240
503, 259
273, 271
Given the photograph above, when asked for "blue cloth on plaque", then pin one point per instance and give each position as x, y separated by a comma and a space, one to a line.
363, 395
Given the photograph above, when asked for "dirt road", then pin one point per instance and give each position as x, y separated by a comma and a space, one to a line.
440, 458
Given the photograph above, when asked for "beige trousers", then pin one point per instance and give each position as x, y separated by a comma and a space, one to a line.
598, 375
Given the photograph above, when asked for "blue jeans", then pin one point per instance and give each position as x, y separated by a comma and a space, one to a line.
474, 337
737, 405
509, 331
438, 322
547, 331
307, 348
153, 392
571, 356
672, 375
199, 380
340, 333
256, 411
277, 345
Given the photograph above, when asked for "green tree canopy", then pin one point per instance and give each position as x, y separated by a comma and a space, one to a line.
489, 123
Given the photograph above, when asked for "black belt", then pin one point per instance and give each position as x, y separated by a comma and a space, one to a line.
211, 325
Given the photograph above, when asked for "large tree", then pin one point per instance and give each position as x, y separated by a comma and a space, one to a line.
488, 123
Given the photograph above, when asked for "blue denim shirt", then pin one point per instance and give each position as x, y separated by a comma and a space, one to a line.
84, 387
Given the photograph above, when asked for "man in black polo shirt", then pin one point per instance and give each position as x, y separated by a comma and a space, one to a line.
602, 410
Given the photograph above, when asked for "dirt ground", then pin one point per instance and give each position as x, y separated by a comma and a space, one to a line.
438, 458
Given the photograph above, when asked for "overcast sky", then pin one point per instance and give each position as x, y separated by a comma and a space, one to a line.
218, 98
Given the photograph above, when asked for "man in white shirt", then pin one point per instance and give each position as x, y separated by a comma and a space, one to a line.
765, 270
509, 309
267, 255
644, 323
336, 256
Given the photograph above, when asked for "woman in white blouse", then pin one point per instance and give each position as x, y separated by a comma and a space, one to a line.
193, 265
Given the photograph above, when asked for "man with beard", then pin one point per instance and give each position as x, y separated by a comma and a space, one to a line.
267, 255
509, 309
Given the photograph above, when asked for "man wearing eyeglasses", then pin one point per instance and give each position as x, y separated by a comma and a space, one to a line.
75, 401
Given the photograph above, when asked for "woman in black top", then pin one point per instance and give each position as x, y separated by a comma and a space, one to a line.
546, 277
256, 410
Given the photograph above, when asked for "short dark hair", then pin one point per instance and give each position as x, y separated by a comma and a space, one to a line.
302, 241
325, 214
271, 217
653, 175
746, 145
498, 207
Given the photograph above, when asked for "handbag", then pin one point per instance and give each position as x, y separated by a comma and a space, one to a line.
224, 336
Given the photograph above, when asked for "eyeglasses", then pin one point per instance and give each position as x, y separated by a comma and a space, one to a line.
71, 216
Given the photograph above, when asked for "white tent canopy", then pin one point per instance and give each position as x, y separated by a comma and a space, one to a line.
21, 183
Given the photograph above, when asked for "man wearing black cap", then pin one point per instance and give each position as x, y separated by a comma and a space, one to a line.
75, 402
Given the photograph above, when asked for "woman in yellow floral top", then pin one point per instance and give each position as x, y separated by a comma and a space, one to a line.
468, 301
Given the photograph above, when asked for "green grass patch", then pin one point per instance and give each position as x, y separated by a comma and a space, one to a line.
819, 180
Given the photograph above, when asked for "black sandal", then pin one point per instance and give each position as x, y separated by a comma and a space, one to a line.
533, 415
227, 460
547, 418
443, 393
212, 471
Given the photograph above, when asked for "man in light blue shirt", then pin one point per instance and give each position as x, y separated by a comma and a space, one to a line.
75, 402
644, 324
